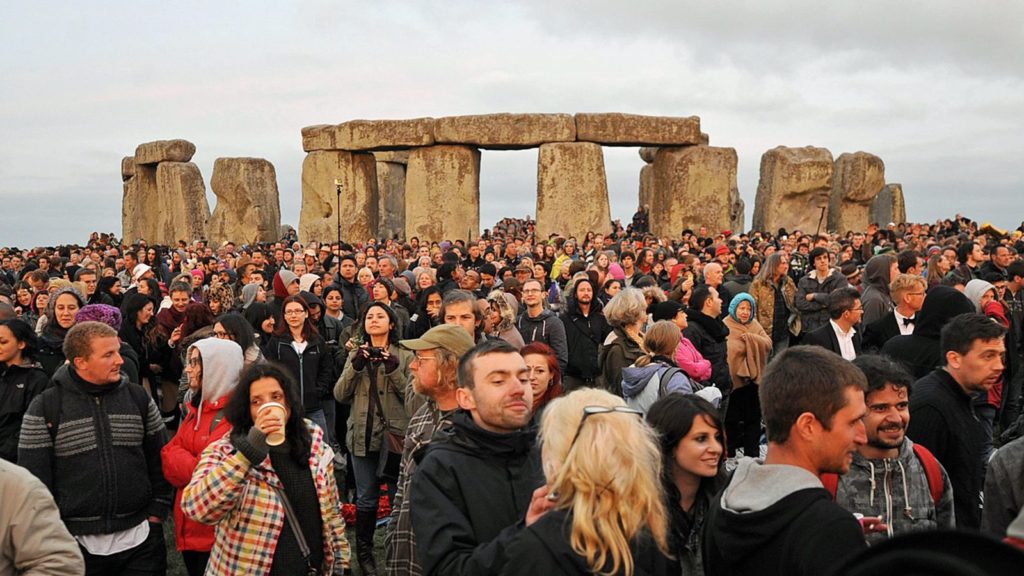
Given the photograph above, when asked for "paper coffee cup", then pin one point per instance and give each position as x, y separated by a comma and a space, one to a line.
276, 438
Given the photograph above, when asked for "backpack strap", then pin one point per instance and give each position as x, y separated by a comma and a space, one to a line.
831, 483
932, 470
666, 377
216, 420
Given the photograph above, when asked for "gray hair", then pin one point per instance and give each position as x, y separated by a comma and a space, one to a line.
627, 307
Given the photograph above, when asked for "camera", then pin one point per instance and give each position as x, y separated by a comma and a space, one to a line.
375, 354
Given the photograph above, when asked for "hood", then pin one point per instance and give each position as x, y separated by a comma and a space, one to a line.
940, 306
464, 435
282, 280
222, 363
743, 297
544, 314
249, 293
756, 486
876, 272
52, 327
975, 289
635, 378
306, 282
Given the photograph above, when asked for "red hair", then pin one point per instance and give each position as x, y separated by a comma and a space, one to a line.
555, 386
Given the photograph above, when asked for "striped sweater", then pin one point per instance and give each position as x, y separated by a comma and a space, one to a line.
104, 467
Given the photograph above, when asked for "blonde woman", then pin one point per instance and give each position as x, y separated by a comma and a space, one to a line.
626, 313
603, 466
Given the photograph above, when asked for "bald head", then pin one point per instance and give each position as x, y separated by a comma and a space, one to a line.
713, 274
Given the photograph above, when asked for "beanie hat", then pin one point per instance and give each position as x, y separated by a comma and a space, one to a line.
722, 250
104, 313
282, 280
615, 271
249, 292
743, 297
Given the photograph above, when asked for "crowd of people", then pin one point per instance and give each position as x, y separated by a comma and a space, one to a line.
716, 403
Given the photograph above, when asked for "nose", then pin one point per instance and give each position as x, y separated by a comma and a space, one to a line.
860, 436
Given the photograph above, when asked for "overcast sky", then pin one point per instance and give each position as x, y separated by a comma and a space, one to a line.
936, 89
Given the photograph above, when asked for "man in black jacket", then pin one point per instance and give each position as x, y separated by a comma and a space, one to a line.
942, 418
101, 458
840, 335
775, 517
708, 334
908, 293
354, 296
475, 481
585, 330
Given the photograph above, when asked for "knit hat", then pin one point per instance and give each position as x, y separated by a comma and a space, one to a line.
451, 337
722, 250
282, 280
975, 289
402, 285
249, 292
104, 313
615, 271
743, 297
666, 310
199, 272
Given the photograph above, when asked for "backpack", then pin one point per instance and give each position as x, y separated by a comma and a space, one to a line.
932, 471
53, 398
643, 400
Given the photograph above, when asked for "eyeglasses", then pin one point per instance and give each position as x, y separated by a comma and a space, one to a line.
294, 312
589, 411
425, 358
532, 291
222, 334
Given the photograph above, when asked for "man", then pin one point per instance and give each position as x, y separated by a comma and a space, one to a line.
628, 262
999, 260
708, 335
91, 281
474, 260
741, 279
839, 335
585, 330
776, 518
94, 439
353, 293
879, 272
908, 293
131, 260
891, 477
713, 278
910, 262
538, 324
972, 256
471, 283
813, 289
476, 480
33, 540
460, 307
942, 418
387, 267
434, 377
1004, 489
488, 278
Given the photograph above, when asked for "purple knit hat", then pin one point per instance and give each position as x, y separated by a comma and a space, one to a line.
104, 313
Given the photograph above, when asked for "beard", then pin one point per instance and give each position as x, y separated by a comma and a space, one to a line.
878, 442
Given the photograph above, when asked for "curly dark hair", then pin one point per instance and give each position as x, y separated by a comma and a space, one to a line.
239, 414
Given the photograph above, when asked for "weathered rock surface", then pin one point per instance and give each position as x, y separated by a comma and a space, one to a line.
572, 190
613, 129
318, 219
391, 188
164, 151
183, 209
127, 167
794, 187
505, 131
646, 185
393, 156
442, 193
139, 206
857, 179
248, 207
369, 135
694, 186
889, 206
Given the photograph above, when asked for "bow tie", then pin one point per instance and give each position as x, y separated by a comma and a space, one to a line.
908, 321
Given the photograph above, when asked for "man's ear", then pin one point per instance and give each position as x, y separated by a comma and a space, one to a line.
465, 399
953, 359
806, 427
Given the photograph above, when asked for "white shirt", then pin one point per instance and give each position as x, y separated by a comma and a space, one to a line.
299, 347
110, 544
846, 348
905, 330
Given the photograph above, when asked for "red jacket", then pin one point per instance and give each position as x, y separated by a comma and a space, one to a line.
180, 457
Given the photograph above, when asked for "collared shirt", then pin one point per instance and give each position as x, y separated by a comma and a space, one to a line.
846, 348
905, 329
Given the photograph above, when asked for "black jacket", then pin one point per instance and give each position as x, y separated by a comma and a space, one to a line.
18, 386
825, 337
312, 370
880, 332
469, 496
544, 548
709, 335
943, 421
919, 352
353, 295
583, 337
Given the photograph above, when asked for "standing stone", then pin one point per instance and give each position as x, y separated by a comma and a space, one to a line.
505, 131
369, 135
857, 180
794, 187
183, 209
164, 151
647, 153
646, 185
442, 193
318, 220
248, 208
140, 205
393, 156
391, 188
694, 186
889, 206
572, 190
613, 129
127, 167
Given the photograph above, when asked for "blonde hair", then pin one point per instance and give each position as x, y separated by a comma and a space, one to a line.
610, 478
661, 339
904, 283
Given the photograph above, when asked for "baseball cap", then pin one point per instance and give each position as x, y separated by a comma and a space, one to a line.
451, 337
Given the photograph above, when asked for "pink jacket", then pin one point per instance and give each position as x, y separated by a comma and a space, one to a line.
691, 362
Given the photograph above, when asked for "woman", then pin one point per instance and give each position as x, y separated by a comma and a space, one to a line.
424, 279
220, 299
262, 321
236, 328
213, 367
298, 346
21, 380
545, 375
365, 277
311, 283
749, 347
60, 315
383, 290
687, 357
240, 482
334, 303
503, 308
610, 290
690, 433
374, 382
111, 287
626, 314
139, 330
938, 267
603, 470
23, 298
655, 373
428, 313
774, 293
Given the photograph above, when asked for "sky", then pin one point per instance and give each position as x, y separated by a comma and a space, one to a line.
935, 89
